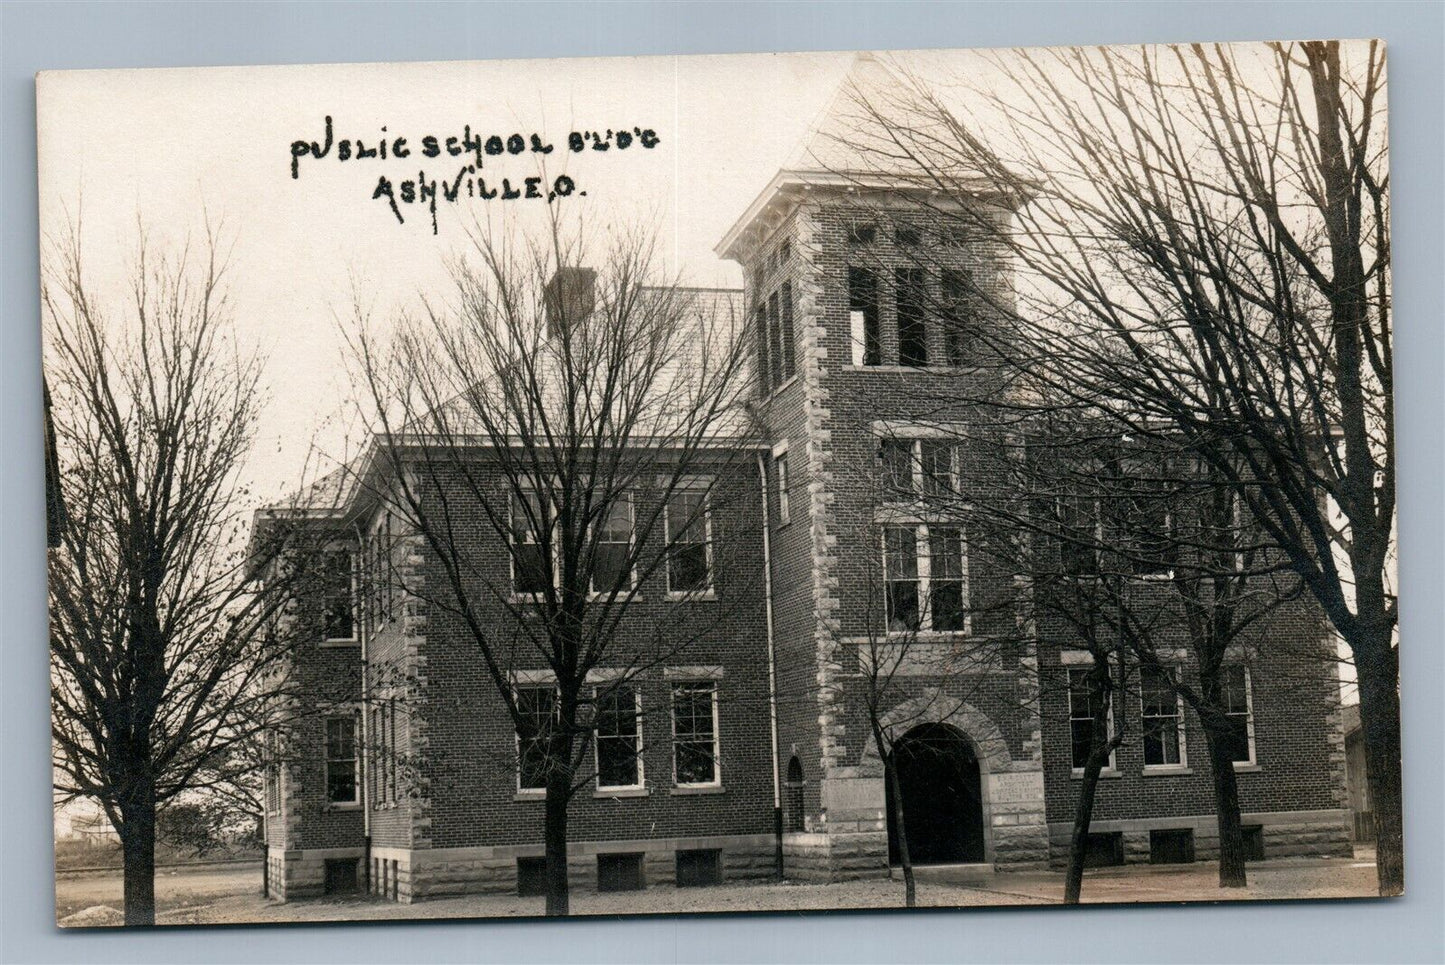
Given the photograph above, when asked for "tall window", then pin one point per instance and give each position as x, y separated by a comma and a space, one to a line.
925, 568
780, 476
1147, 522
1083, 702
864, 328
341, 760
1163, 718
958, 340
1080, 533
912, 328
612, 555
688, 523
339, 610
537, 710
531, 573
273, 771
694, 734
775, 323
619, 739
1239, 708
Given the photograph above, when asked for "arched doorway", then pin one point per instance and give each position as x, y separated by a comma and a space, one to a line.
938, 775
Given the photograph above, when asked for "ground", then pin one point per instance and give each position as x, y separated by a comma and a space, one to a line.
231, 894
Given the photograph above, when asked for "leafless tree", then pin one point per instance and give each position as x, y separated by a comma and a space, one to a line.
1204, 256
565, 440
159, 633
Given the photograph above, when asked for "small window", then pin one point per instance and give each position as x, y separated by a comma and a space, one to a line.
1173, 846
531, 877
862, 234
339, 613
694, 734
537, 710
697, 869
1103, 849
341, 761
1083, 700
340, 876
619, 872
619, 738
1253, 835
780, 476
688, 526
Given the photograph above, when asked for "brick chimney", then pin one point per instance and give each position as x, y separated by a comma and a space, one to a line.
569, 297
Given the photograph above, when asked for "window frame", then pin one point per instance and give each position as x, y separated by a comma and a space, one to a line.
349, 717
637, 735
1180, 731
704, 487
711, 685
1111, 767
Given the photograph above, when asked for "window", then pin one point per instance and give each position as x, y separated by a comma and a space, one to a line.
531, 569
775, 323
531, 877
912, 329
926, 575
1083, 702
1080, 534
796, 820
1163, 718
905, 235
619, 872
862, 234
339, 876
341, 762
780, 475
619, 739
864, 329
688, 524
1103, 849
1238, 701
935, 460
897, 459
375, 780
537, 710
694, 734
378, 572
1171, 846
699, 868
1253, 835
958, 341
273, 771
612, 551
393, 762
911, 466
1146, 522
339, 610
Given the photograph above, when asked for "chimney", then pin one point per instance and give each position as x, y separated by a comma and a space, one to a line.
569, 298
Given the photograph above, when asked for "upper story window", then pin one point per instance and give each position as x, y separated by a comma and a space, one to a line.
379, 576
1080, 535
926, 575
338, 614
958, 322
537, 715
688, 525
864, 331
862, 234
776, 361
905, 236
612, 554
780, 479
619, 738
911, 301
911, 467
531, 567
1145, 518
341, 760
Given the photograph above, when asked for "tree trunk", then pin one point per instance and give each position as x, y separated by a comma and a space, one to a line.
1100, 747
1226, 811
554, 835
1380, 721
910, 887
138, 853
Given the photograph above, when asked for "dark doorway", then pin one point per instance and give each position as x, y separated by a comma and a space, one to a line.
942, 804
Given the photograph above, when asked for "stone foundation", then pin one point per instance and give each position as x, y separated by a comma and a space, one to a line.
302, 874
1315, 834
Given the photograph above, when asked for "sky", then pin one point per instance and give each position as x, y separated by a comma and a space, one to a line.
173, 148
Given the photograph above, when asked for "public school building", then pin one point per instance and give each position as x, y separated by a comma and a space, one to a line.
421, 785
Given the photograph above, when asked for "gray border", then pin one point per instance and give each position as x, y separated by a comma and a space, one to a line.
38, 36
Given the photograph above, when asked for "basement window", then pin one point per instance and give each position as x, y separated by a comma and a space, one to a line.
531, 877
1104, 849
1173, 846
1253, 842
619, 872
697, 869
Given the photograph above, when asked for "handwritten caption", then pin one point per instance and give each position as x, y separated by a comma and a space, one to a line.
472, 178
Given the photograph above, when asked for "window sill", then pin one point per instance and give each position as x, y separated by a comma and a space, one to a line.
602, 793
1243, 767
341, 643
686, 596
1107, 773
537, 795
685, 790
1167, 770
342, 806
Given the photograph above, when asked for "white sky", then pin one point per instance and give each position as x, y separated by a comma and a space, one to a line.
166, 144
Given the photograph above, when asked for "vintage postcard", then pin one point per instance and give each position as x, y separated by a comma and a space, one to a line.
720, 483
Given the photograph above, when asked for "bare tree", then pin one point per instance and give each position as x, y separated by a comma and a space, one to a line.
563, 439
158, 630
1204, 255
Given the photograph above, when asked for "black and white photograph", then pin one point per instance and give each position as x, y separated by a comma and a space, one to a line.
761, 482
